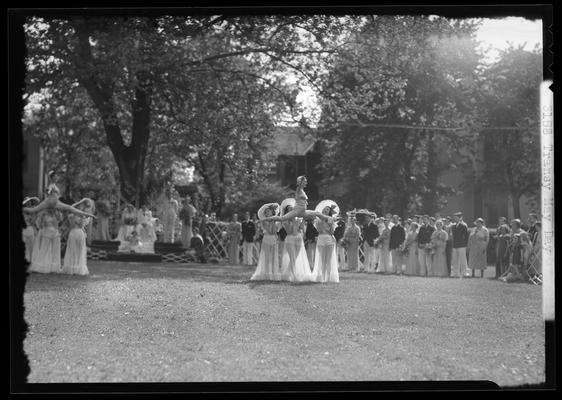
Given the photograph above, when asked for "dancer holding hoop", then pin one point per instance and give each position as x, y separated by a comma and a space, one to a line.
299, 210
268, 262
52, 202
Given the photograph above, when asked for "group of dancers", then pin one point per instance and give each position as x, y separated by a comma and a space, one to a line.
43, 247
293, 265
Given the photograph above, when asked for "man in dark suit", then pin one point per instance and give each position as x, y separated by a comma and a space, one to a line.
424, 237
370, 234
338, 235
397, 237
248, 234
502, 236
460, 241
449, 244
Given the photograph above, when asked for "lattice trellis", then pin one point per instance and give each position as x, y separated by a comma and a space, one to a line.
96, 254
184, 257
534, 270
217, 246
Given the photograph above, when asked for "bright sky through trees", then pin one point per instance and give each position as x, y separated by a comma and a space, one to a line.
494, 35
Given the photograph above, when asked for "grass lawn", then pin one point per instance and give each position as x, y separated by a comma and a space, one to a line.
130, 322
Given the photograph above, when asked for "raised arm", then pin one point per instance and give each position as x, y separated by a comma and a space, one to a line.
66, 207
40, 207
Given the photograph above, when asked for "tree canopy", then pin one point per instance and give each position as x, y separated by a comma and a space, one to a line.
402, 98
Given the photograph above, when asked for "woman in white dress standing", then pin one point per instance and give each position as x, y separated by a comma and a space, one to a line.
295, 266
477, 246
325, 259
75, 256
28, 233
383, 243
351, 240
411, 248
268, 260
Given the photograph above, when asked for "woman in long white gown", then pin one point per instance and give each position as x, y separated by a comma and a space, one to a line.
45, 257
28, 232
268, 260
383, 242
75, 256
325, 259
295, 266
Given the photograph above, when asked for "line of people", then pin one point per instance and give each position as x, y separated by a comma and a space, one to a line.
427, 246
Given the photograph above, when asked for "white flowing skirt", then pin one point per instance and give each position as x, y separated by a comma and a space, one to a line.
28, 237
76, 253
45, 257
299, 270
146, 247
124, 231
325, 260
268, 262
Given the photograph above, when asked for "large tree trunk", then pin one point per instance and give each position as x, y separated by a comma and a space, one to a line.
130, 159
515, 201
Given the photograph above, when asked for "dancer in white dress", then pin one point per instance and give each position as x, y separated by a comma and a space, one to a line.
268, 261
295, 266
52, 203
88, 205
325, 259
28, 233
46, 257
299, 208
75, 256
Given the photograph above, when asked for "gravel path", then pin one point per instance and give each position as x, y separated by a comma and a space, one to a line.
186, 323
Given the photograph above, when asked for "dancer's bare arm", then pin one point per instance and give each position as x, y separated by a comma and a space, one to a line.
309, 213
66, 207
37, 208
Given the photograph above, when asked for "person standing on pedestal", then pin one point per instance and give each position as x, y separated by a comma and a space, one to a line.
102, 225
169, 216
187, 213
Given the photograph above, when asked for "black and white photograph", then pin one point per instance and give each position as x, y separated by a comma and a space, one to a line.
282, 197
